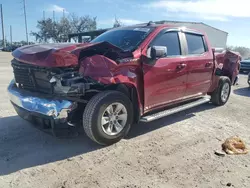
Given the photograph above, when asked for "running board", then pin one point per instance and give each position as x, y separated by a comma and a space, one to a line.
171, 111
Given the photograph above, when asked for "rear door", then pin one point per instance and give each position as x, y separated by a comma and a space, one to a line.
200, 65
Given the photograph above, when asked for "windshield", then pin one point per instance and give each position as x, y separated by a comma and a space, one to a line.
127, 39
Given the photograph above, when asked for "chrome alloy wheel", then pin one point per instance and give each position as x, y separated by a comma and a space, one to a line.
225, 92
114, 119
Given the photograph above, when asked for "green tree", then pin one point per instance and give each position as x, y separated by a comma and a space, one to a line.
117, 23
46, 30
61, 30
58, 31
82, 23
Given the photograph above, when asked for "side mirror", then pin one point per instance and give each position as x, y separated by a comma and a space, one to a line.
157, 52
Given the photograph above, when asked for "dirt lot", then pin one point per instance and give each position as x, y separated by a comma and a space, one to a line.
177, 151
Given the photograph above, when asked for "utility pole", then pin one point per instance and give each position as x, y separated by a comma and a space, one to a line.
43, 15
63, 13
54, 19
4, 42
25, 19
10, 36
54, 22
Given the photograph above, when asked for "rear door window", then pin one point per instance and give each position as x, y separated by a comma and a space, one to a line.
195, 44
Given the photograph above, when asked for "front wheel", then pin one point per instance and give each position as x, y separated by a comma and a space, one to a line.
107, 117
221, 95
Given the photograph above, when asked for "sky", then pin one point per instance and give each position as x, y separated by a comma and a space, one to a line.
228, 15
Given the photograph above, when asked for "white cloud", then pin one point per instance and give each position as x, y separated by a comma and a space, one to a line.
122, 20
221, 10
56, 8
129, 21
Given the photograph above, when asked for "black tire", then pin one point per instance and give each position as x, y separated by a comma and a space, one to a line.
93, 113
216, 98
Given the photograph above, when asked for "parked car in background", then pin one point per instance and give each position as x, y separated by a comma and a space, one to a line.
10, 48
245, 65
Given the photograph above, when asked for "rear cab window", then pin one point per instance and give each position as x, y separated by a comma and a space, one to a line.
195, 44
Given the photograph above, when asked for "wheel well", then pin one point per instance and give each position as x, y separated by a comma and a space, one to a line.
229, 75
131, 92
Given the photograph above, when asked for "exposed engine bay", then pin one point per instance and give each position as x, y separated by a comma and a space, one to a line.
53, 81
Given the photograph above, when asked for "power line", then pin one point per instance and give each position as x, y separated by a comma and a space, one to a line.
54, 19
25, 19
4, 42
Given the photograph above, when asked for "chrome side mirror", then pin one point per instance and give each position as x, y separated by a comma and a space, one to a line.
157, 52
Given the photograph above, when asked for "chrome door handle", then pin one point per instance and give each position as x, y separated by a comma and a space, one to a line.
209, 64
181, 66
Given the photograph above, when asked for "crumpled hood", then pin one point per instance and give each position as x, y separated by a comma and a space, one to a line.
49, 55
64, 54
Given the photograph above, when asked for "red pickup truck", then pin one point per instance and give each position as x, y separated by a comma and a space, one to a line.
125, 75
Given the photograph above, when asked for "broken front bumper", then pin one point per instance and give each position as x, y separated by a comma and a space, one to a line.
37, 109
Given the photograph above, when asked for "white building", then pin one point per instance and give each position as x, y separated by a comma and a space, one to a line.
217, 37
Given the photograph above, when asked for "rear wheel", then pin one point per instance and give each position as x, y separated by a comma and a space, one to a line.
221, 95
107, 117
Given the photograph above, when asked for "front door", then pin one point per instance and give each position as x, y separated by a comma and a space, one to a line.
200, 65
165, 78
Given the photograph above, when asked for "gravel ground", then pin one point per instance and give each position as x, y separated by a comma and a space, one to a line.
176, 151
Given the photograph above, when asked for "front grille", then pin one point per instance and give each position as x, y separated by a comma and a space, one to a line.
32, 78
23, 77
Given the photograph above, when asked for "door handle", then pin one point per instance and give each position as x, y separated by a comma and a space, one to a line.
181, 66
209, 64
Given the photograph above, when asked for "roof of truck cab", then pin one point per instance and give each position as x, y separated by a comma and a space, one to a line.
155, 26
144, 25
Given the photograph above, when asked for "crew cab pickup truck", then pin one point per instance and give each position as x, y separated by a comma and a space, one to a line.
125, 75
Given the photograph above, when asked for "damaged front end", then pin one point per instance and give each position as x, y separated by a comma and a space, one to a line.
43, 71
53, 95
50, 114
49, 97
57, 82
